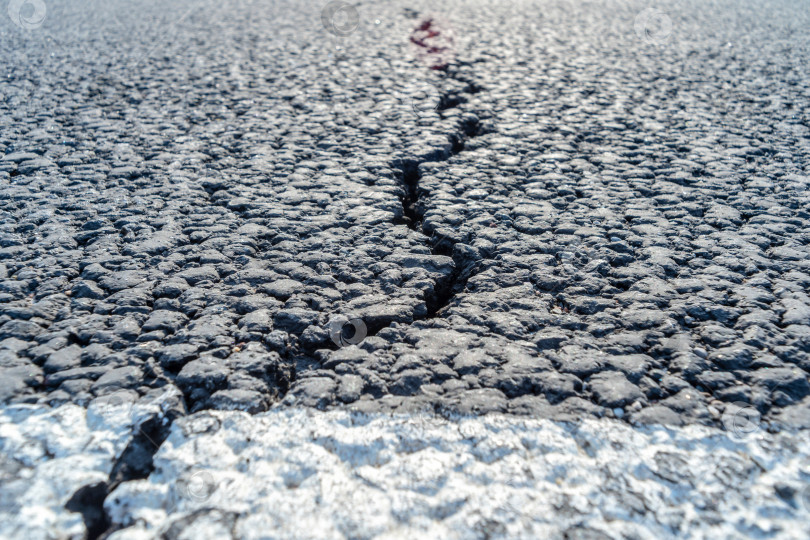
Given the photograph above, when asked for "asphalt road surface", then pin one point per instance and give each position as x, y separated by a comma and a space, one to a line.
557, 211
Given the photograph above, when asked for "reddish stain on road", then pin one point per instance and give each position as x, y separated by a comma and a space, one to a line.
434, 41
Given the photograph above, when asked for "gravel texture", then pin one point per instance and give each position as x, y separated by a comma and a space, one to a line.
299, 473
527, 208
556, 210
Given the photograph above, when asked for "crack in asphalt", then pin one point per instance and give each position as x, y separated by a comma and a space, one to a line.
136, 462
414, 198
89, 502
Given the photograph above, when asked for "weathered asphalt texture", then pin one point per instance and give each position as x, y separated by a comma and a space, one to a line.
584, 213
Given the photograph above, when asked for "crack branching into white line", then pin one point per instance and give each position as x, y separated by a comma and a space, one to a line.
419, 477
60, 463
133, 463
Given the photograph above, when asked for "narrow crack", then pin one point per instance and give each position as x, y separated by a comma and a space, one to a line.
136, 462
280, 376
414, 208
409, 171
89, 502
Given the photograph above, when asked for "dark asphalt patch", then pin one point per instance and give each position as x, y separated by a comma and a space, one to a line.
590, 219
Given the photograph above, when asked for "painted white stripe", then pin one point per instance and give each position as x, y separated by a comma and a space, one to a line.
308, 474
47, 454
